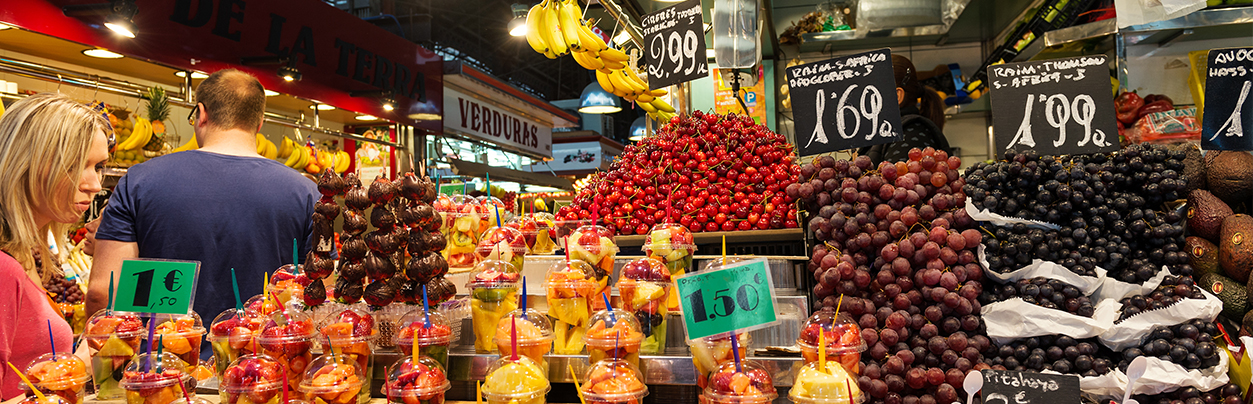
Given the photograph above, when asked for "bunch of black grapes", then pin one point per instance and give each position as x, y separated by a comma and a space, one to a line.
1059, 353
1043, 292
1190, 344
1170, 291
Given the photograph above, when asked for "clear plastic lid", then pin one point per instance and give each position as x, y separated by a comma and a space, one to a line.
566, 228
200, 400
443, 203
167, 370
465, 204
259, 305
613, 380
285, 328
593, 240
236, 325
256, 372
332, 374
751, 385
533, 329
350, 326
415, 329
646, 269
61, 372
105, 324
571, 278
287, 275
510, 378
720, 262
183, 325
501, 243
427, 377
606, 330
48, 399
491, 205
830, 387
843, 335
494, 274
670, 240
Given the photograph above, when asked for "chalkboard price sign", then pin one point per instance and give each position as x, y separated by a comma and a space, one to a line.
1060, 106
845, 103
675, 41
1010, 387
1228, 105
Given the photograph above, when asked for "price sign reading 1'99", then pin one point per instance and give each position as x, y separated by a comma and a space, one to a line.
738, 297
156, 286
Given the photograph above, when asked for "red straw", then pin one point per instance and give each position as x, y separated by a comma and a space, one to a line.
850, 391
513, 337
285, 381
567, 238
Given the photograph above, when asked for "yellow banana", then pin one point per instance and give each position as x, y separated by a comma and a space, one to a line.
589, 40
294, 158
569, 26
190, 145
604, 81
645, 98
614, 55
533, 30
635, 86
612, 65
619, 83
140, 135
588, 60
661, 105
271, 151
550, 29
658, 92
341, 161
260, 143
636, 79
647, 107
285, 149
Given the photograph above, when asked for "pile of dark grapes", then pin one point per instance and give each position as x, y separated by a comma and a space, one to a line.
1171, 291
1013, 247
1043, 292
63, 290
895, 241
1227, 394
1189, 344
1058, 353
1113, 202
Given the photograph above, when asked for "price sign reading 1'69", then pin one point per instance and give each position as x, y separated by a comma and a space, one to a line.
845, 103
738, 297
156, 286
1060, 106
674, 43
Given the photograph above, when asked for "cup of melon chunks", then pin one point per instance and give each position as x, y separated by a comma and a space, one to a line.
112, 337
535, 335
710, 352
252, 379
613, 335
843, 339
673, 245
180, 334
334, 379
493, 294
594, 245
613, 381
515, 381
423, 382
287, 337
160, 381
63, 375
572, 286
231, 336
350, 334
431, 341
830, 384
644, 287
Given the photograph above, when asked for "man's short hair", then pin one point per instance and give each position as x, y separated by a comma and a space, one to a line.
233, 100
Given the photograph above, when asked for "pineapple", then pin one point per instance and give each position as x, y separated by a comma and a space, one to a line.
158, 112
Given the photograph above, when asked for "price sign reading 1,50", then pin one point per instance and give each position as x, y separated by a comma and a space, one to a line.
675, 45
746, 298
154, 286
735, 298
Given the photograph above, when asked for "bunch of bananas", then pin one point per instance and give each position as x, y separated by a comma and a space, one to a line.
139, 136
556, 27
298, 156
79, 262
266, 148
190, 145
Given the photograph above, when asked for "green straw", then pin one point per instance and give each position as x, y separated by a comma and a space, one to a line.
239, 304
488, 176
110, 303
295, 257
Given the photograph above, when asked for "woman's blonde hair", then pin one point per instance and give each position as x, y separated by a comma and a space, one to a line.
44, 142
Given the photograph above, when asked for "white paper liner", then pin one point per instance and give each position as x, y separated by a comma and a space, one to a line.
1047, 269
1001, 220
1131, 332
1015, 319
1116, 289
1159, 377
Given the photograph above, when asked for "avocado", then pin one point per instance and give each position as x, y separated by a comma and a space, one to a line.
1206, 213
1193, 166
1227, 176
1202, 255
1246, 326
1235, 246
1235, 300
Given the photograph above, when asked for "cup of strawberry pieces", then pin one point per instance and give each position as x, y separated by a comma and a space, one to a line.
504, 244
156, 382
750, 385
231, 336
844, 343
432, 340
252, 379
424, 382
288, 337
286, 284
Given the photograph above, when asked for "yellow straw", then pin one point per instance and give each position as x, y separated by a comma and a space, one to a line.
822, 351
266, 291
724, 249
576, 383
415, 353
28, 383
478, 391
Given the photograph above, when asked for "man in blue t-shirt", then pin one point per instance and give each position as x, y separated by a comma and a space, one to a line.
223, 205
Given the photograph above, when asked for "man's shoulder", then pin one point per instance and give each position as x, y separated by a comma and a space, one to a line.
192, 162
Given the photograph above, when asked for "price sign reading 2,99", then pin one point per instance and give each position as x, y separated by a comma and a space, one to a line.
738, 297
674, 43
156, 286
1060, 106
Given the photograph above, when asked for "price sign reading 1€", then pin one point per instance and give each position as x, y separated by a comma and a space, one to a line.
738, 297
156, 286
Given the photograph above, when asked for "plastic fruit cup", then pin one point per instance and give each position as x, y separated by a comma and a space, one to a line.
286, 284
673, 245
538, 232
834, 386
199, 400
231, 336
47, 400
504, 244
462, 233
843, 338
252, 379
752, 385
710, 352
425, 383
63, 375
112, 339
491, 208
535, 335
615, 336
289, 342
515, 381
493, 294
158, 384
613, 381
595, 245
260, 306
432, 341
335, 379
644, 287
350, 334
566, 227
181, 335
571, 287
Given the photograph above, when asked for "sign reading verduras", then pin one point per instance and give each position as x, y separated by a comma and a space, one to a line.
1060, 106
1228, 115
1010, 387
674, 40
472, 116
737, 297
156, 286
845, 103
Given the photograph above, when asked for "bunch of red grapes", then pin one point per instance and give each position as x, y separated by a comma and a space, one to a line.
707, 172
894, 241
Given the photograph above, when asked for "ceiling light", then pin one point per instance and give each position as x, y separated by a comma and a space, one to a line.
321, 107
622, 38
194, 75
367, 118
289, 73
595, 100
117, 15
101, 53
4, 26
425, 117
517, 26
123, 27
637, 130
270, 93
389, 105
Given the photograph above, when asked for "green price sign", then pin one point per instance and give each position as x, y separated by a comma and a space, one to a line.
739, 297
156, 286
452, 189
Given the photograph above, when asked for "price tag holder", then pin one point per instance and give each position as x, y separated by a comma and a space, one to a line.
845, 103
1010, 387
738, 297
1228, 115
156, 286
1059, 106
675, 41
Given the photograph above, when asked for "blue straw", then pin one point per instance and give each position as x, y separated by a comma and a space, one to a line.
609, 308
52, 341
523, 297
152, 329
426, 307
735, 350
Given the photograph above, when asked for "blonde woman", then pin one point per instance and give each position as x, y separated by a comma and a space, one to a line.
52, 151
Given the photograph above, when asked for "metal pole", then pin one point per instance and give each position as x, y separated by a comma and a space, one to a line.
617, 13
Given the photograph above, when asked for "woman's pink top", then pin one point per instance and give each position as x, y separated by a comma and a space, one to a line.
24, 315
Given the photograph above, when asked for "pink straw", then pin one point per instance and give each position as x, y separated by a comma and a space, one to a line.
513, 337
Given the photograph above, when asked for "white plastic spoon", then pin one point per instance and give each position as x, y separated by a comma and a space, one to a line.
1134, 371
972, 384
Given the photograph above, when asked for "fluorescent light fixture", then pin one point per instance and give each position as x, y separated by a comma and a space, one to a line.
194, 75
4, 26
367, 118
101, 53
424, 117
321, 107
120, 26
622, 38
709, 53
270, 93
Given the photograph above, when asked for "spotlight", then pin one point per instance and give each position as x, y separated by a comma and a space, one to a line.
517, 26
118, 14
386, 97
101, 53
270, 93
4, 26
389, 104
322, 107
194, 75
289, 73
367, 118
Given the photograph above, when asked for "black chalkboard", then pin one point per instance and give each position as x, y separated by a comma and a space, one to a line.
845, 103
1010, 387
1059, 106
674, 40
1228, 115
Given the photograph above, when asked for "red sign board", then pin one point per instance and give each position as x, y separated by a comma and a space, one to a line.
335, 52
